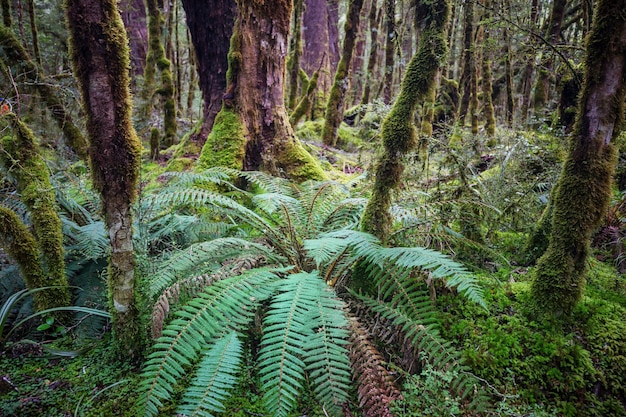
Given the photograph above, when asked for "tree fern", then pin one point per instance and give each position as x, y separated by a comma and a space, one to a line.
216, 375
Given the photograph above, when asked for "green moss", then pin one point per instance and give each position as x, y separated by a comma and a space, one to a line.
298, 164
304, 106
226, 144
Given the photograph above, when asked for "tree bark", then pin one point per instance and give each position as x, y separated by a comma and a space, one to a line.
255, 78
584, 187
101, 63
320, 49
390, 48
134, 16
468, 59
529, 69
336, 99
211, 26
374, 22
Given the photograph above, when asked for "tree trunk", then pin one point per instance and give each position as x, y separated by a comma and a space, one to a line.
390, 48
295, 53
211, 26
134, 16
468, 61
399, 135
527, 73
487, 89
374, 22
584, 187
542, 86
22, 161
6, 13
255, 118
33, 31
101, 62
336, 99
320, 50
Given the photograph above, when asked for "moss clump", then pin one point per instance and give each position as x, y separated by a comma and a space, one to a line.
226, 144
298, 164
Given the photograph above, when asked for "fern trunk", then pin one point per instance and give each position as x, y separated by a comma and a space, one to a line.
584, 187
100, 58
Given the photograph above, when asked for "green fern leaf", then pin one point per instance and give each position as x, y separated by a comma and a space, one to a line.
232, 301
186, 263
216, 375
325, 356
286, 329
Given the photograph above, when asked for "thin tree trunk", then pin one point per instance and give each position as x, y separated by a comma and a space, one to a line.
134, 16
101, 62
334, 107
487, 89
468, 69
527, 73
584, 188
399, 135
33, 31
295, 50
390, 48
374, 22
7, 19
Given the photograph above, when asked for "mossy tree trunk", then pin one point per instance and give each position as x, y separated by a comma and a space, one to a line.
18, 56
211, 26
374, 23
390, 48
30, 6
508, 71
583, 190
158, 64
546, 66
529, 68
23, 162
399, 135
256, 78
295, 53
487, 89
101, 63
337, 96
465, 83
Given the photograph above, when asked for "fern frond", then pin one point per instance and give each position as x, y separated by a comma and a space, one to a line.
325, 356
286, 329
185, 263
375, 386
190, 287
216, 375
232, 301
439, 353
90, 239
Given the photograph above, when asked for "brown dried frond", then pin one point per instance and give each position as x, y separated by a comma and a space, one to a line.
375, 386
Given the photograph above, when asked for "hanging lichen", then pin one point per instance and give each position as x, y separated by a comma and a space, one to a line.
22, 161
399, 135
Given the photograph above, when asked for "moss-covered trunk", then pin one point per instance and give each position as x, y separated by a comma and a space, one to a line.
100, 56
254, 100
468, 59
374, 23
584, 187
23, 162
487, 88
390, 48
295, 53
399, 135
334, 106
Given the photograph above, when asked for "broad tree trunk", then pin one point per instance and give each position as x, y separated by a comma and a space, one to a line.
210, 24
320, 49
583, 190
336, 99
253, 123
101, 62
